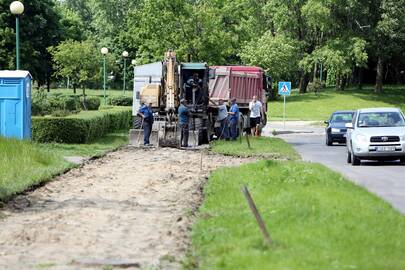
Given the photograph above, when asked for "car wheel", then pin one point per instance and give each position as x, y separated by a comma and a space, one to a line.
355, 160
349, 157
402, 160
329, 141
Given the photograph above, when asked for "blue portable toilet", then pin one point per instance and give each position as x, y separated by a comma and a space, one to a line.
15, 104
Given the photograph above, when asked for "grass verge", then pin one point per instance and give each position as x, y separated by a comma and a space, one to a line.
317, 219
319, 107
261, 147
24, 164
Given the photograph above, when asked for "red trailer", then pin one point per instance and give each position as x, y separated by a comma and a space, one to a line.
240, 82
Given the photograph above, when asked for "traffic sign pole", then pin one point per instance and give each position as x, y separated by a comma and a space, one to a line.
284, 89
284, 113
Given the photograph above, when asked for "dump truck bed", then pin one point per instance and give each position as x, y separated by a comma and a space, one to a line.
240, 82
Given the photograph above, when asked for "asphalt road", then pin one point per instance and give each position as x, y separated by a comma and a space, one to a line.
387, 180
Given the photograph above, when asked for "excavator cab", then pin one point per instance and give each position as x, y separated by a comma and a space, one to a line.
194, 78
193, 81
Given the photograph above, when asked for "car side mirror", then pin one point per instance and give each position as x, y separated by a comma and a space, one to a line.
349, 125
326, 122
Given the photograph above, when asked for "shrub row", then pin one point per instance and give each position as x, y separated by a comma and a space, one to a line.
80, 128
58, 104
120, 101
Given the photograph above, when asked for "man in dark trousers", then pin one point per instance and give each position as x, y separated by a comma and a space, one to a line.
184, 115
234, 119
147, 118
223, 119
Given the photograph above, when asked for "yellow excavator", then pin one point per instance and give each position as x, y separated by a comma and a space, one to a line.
165, 95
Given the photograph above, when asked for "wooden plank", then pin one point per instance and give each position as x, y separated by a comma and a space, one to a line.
257, 215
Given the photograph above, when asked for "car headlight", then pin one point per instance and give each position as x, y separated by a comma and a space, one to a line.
403, 138
360, 138
335, 130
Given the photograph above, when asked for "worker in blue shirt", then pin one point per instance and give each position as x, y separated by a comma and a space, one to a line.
147, 119
184, 115
234, 119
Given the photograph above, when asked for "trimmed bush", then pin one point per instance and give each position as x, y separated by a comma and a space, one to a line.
120, 101
92, 103
80, 128
43, 104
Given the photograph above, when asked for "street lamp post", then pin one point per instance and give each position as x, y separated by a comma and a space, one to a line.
125, 54
104, 52
17, 8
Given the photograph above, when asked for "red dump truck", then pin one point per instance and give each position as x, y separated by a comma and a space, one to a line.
240, 82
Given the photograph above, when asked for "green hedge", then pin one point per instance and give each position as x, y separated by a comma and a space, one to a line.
92, 103
80, 128
120, 101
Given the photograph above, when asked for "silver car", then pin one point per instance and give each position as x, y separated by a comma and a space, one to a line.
376, 134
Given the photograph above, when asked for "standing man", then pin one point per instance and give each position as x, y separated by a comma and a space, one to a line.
184, 115
147, 118
223, 119
255, 108
234, 119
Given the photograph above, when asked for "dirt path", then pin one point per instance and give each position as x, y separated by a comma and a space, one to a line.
133, 205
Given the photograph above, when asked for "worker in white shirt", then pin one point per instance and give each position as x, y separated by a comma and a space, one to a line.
256, 111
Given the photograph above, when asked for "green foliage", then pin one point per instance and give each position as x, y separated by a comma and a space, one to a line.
316, 86
40, 104
120, 101
316, 218
80, 61
82, 128
39, 29
278, 54
55, 104
91, 103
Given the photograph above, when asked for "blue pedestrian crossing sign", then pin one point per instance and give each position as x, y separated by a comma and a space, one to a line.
284, 88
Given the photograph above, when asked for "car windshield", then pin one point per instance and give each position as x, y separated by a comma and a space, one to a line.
381, 119
342, 117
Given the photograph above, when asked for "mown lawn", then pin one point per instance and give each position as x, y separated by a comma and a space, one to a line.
319, 107
99, 147
262, 147
316, 218
24, 164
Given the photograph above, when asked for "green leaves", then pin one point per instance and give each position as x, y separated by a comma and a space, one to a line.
278, 54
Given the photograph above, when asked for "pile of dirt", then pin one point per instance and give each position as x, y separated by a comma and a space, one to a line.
133, 208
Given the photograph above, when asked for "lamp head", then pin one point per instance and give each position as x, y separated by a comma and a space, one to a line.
17, 8
125, 54
133, 62
104, 50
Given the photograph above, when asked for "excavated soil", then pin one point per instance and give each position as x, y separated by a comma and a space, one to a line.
132, 209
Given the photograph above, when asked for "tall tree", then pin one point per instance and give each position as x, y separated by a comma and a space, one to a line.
40, 29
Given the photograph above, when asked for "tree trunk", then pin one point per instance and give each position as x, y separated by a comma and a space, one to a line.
48, 84
379, 76
340, 83
304, 80
84, 98
74, 88
360, 79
